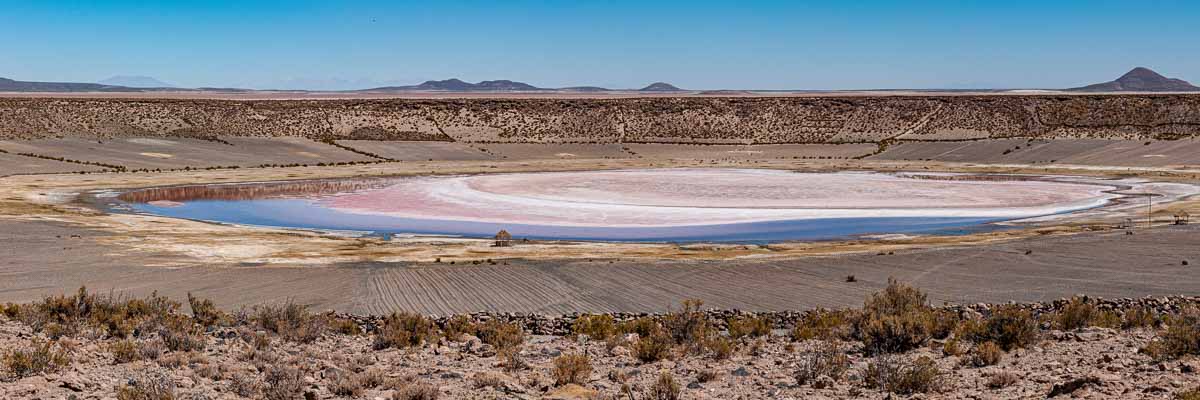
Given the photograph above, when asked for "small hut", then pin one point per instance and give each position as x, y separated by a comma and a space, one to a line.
1182, 218
503, 239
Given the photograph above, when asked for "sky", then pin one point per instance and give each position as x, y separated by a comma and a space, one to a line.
695, 44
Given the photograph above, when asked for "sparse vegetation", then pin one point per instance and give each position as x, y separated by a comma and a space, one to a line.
149, 387
1181, 338
402, 330
985, 354
895, 320
824, 324
571, 368
597, 327
657, 346
290, 321
1002, 380
1009, 326
827, 360
39, 357
891, 373
748, 326
665, 388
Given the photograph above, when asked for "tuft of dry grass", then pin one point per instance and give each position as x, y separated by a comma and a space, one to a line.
895, 320
747, 326
147, 388
501, 335
828, 360
664, 388
1181, 338
1010, 327
456, 327
893, 374
204, 312
824, 324
291, 321
39, 357
657, 346
596, 327
985, 354
720, 347
403, 330
688, 326
416, 391
282, 383
1002, 380
571, 368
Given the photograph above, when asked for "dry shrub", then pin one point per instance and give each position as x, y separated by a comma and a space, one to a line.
1190, 394
571, 368
181, 334
895, 320
115, 316
290, 321
147, 388
657, 346
720, 347
1002, 380
124, 351
282, 383
416, 391
597, 327
345, 384
985, 354
748, 326
456, 327
1078, 313
512, 359
501, 335
204, 312
1181, 338
1138, 317
824, 324
707, 375
827, 360
1010, 327
487, 379
344, 326
643, 327
688, 326
402, 330
39, 357
891, 373
244, 385
665, 388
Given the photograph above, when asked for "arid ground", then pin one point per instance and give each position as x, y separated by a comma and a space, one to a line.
61, 157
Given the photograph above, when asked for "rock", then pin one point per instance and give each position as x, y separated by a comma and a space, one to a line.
741, 371
619, 351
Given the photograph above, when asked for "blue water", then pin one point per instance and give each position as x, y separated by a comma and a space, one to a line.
299, 213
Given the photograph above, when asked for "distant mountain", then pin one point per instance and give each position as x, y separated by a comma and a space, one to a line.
660, 87
9, 85
455, 85
1140, 80
135, 82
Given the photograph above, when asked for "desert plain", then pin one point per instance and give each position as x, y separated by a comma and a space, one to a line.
61, 157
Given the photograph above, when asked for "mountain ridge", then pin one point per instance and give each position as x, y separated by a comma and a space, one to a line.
1140, 79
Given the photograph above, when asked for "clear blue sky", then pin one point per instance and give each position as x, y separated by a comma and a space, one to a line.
694, 44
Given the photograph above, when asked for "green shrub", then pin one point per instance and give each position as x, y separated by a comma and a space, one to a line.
402, 330
571, 368
596, 327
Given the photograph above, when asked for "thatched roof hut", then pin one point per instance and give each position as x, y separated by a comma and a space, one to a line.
503, 239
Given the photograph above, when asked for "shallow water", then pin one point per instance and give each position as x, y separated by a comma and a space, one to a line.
716, 205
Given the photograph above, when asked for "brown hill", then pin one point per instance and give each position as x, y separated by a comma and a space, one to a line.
1140, 80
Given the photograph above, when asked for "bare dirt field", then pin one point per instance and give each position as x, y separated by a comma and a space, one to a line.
178, 153
1150, 153
418, 150
12, 164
